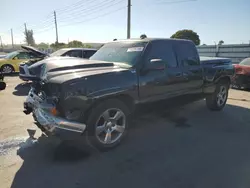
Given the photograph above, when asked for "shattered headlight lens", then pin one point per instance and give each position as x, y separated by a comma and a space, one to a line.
43, 73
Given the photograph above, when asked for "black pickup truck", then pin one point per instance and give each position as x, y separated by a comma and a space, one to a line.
94, 98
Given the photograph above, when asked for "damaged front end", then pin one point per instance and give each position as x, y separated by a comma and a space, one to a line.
46, 115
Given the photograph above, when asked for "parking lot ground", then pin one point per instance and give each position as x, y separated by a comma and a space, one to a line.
184, 147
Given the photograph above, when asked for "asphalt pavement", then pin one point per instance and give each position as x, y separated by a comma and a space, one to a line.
183, 146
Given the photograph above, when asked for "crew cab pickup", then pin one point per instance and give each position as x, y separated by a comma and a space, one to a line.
94, 98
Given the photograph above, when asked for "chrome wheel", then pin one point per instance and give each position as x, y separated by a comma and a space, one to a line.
7, 69
222, 96
110, 126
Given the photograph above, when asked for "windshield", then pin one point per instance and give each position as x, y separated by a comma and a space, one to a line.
58, 53
245, 62
123, 52
11, 55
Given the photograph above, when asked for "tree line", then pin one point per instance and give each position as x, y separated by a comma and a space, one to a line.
181, 34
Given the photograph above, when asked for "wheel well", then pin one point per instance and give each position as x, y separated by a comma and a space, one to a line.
126, 99
8, 65
225, 79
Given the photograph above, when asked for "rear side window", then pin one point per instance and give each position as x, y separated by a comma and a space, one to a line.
88, 53
162, 50
186, 53
74, 53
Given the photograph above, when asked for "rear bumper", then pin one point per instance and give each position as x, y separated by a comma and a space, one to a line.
49, 123
241, 80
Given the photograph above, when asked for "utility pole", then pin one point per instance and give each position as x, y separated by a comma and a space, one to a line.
25, 28
12, 38
129, 19
1, 42
56, 27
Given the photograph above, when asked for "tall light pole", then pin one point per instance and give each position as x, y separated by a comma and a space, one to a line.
129, 20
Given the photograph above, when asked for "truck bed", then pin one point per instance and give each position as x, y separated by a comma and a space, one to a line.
207, 60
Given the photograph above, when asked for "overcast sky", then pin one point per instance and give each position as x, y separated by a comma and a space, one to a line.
104, 20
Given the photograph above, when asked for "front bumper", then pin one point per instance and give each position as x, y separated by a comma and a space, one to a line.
24, 73
46, 121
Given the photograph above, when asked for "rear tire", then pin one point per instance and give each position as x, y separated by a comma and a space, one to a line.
107, 124
218, 99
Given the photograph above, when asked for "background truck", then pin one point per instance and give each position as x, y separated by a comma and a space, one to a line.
95, 98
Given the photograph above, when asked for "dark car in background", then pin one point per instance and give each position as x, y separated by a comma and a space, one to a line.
26, 75
242, 74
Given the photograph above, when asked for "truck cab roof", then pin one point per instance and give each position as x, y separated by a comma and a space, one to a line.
150, 39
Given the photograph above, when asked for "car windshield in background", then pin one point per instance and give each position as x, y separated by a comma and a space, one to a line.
58, 53
122, 52
245, 62
11, 55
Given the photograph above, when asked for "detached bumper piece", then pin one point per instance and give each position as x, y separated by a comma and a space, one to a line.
48, 122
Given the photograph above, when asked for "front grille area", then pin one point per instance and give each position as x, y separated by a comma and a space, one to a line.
52, 89
21, 70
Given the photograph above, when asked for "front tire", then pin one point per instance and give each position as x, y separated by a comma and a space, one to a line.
7, 69
218, 99
107, 124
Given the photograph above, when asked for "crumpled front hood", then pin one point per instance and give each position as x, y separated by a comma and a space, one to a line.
83, 73
64, 69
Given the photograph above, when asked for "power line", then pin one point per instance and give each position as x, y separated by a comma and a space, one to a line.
71, 6
102, 15
90, 8
75, 6
44, 30
86, 13
174, 2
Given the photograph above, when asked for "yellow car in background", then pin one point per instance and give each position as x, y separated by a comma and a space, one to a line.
10, 63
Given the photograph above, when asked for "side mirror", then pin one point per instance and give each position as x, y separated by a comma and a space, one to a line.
156, 64
15, 58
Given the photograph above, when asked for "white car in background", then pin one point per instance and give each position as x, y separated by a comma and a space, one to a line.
2, 56
26, 75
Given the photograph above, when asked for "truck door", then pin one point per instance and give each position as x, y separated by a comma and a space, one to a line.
161, 83
189, 61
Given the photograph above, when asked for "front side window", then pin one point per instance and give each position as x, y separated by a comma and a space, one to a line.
162, 50
58, 53
123, 52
